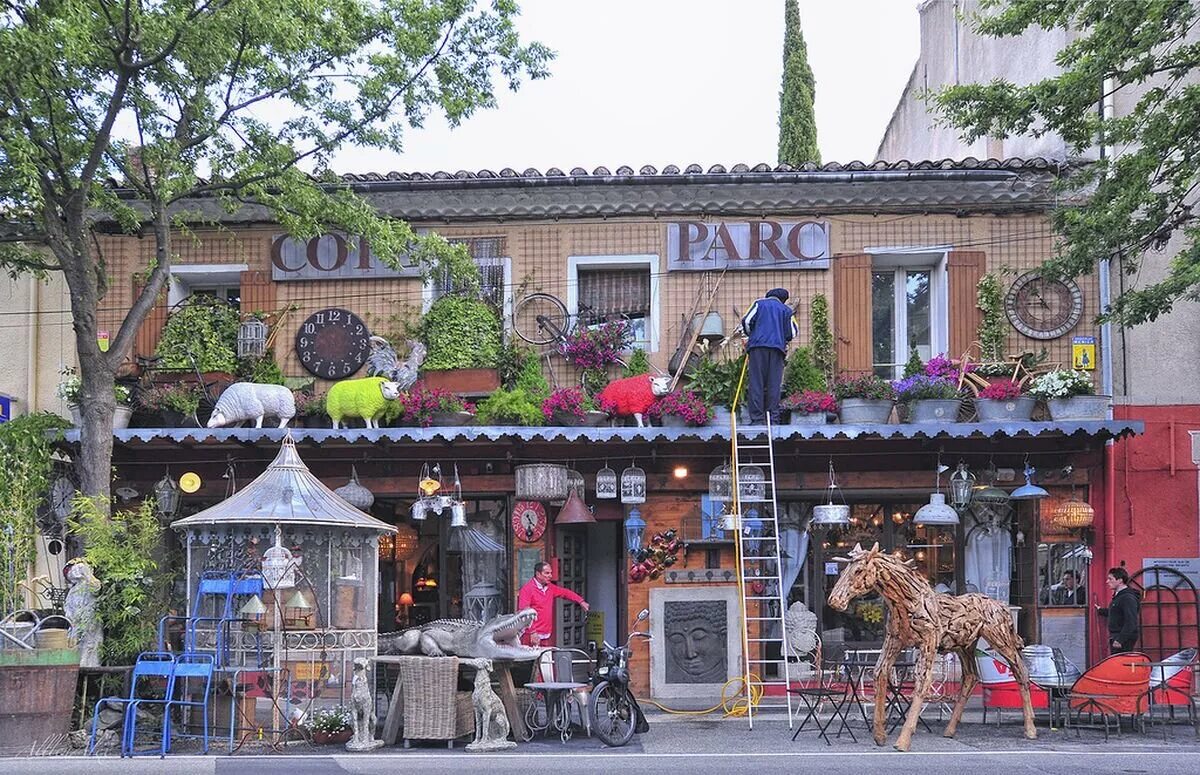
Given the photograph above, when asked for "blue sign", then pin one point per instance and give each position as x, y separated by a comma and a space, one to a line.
5, 408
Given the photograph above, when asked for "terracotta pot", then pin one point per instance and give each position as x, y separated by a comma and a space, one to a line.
332, 738
469, 382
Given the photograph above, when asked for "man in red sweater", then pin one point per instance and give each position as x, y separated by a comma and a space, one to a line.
539, 593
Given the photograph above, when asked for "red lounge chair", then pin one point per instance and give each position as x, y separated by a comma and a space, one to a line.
1118, 686
1172, 685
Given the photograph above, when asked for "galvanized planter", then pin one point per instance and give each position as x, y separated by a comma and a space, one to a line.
541, 482
1079, 407
1018, 409
856, 411
808, 418
937, 410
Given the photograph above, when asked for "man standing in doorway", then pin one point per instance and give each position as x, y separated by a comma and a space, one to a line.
769, 325
1123, 612
539, 593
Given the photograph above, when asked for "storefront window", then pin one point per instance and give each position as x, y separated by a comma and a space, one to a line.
1063, 573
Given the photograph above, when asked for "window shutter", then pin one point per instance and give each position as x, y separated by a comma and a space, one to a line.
852, 313
963, 270
258, 292
151, 329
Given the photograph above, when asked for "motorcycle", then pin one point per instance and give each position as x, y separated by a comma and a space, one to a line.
614, 711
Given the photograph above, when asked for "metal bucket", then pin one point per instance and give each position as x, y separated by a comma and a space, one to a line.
1040, 660
936, 410
1079, 407
1013, 409
854, 411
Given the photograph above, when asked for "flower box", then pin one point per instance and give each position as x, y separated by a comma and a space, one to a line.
855, 411
1088, 407
464, 382
451, 419
1018, 409
332, 738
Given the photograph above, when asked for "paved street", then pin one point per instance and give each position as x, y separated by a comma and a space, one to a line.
703, 746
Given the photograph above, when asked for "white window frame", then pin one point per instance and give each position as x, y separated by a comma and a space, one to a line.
427, 288
902, 260
648, 260
187, 278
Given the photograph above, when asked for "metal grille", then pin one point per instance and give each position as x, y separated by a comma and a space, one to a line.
488, 253
611, 292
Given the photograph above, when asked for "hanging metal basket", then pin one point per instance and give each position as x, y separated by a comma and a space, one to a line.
574, 482
541, 482
354, 493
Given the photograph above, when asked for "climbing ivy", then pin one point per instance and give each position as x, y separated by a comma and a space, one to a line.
992, 330
201, 334
460, 333
822, 336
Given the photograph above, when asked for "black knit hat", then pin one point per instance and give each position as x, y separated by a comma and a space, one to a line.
779, 293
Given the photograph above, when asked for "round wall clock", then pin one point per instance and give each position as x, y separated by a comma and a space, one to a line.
529, 520
332, 343
1043, 309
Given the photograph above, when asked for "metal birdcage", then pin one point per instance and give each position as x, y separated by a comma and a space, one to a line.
633, 485
252, 339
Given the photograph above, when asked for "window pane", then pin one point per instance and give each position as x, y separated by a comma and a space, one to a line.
883, 321
608, 293
920, 333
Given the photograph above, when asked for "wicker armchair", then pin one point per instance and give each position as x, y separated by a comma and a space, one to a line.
431, 703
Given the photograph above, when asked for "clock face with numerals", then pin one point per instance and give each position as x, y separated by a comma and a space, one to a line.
1043, 309
332, 343
529, 520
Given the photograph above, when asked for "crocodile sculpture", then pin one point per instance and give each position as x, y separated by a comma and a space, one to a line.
495, 639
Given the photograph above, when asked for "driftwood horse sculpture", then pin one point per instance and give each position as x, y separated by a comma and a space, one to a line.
934, 623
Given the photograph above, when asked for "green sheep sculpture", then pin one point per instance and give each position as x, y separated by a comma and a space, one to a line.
366, 398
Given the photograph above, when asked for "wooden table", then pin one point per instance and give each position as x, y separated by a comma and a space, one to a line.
501, 669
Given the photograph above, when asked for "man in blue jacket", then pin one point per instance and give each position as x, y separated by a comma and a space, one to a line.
769, 326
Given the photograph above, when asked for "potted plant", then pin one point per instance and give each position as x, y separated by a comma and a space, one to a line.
1070, 395
510, 407
1003, 400
680, 409
463, 342
715, 382
175, 403
331, 725
572, 407
310, 409
929, 399
424, 406
864, 399
593, 347
70, 389
809, 407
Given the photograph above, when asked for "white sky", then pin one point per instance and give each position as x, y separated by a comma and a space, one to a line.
675, 82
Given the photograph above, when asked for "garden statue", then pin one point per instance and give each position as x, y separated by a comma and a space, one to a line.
80, 608
382, 361
933, 622
362, 706
491, 722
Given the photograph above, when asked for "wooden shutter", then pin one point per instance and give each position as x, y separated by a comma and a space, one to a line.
258, 292
852, 313
963, 270
151, 329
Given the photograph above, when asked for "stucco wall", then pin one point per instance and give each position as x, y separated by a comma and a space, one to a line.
36, 341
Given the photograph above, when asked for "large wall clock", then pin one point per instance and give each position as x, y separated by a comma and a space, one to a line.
1043, 309
332, 343
529, 520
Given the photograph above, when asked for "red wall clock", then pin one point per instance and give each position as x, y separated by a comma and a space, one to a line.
529, 520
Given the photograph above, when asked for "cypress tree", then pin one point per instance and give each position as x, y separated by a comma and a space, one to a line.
797, 118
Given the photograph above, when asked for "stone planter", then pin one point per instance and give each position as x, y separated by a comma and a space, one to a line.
854, 411
452, 419
1079, 408
120, 417
1005, 410
936, 410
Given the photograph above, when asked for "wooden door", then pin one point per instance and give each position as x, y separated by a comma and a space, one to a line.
572, 571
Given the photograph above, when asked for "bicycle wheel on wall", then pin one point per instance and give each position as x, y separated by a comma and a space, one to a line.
540, 318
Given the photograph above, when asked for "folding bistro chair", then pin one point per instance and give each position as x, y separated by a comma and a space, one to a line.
150, 668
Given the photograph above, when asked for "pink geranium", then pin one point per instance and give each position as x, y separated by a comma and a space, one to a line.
1003, 390
567, 401
810, 402
684, 404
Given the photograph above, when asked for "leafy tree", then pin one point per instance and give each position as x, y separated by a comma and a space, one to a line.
1146, 194
797, 119
223, 102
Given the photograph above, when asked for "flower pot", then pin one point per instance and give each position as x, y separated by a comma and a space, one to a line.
720, 416
672, 421
315, 421
452, 419
1005, 410
567, 420
1079, 408
808, 418
595, 419
474, 382
332, 738
938, 410
853, 411
120, 418
174, 419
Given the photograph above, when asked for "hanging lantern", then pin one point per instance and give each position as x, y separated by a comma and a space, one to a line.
606, 483
458, 514
419, 510
962, 484
252, 339
831, 514
387, 547
1029, 491
354, 493
752, 487
575, 512
1074, 514
278, 567
633, 485
166, 495
297, 610
937, 512
405, 540
635, 526
720, 484
252, 611
575, 484
541, 482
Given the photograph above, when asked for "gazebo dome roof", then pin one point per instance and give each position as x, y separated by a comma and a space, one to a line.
286, 493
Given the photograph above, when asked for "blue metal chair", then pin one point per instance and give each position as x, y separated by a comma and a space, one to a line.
151, 666
214, 603
193, 684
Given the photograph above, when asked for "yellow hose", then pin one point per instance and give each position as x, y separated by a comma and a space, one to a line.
733, 704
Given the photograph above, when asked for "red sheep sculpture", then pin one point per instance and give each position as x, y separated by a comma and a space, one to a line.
632, 396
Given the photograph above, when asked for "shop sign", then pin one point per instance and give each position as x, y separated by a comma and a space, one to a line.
1083, 352
332, 257
1185, 566
5, 408
697, 246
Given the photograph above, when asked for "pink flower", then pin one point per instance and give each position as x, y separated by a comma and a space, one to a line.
685, 404
810, 402
597, 347
419, 404
570, 401
1004, 390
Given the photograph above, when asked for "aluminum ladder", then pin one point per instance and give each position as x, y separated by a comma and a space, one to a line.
756, 552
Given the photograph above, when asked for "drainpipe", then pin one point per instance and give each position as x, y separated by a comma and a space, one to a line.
33, 345
1107, 112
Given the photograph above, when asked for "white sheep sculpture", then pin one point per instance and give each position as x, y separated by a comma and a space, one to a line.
367, 398
252, 401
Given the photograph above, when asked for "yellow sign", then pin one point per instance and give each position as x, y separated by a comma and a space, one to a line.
1083, 352
189, 482
593, 628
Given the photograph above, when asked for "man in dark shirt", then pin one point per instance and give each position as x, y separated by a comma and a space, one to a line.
769, 325
1068, 591
1122, 612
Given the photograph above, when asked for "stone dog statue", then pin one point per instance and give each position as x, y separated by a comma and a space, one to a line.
80, 607
362, 706
491, 722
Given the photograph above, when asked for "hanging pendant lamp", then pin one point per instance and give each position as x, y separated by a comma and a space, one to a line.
937, 512
831, 514
1029, 491
575, 512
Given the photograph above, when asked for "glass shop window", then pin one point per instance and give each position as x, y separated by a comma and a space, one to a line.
617, 293
1063, 574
